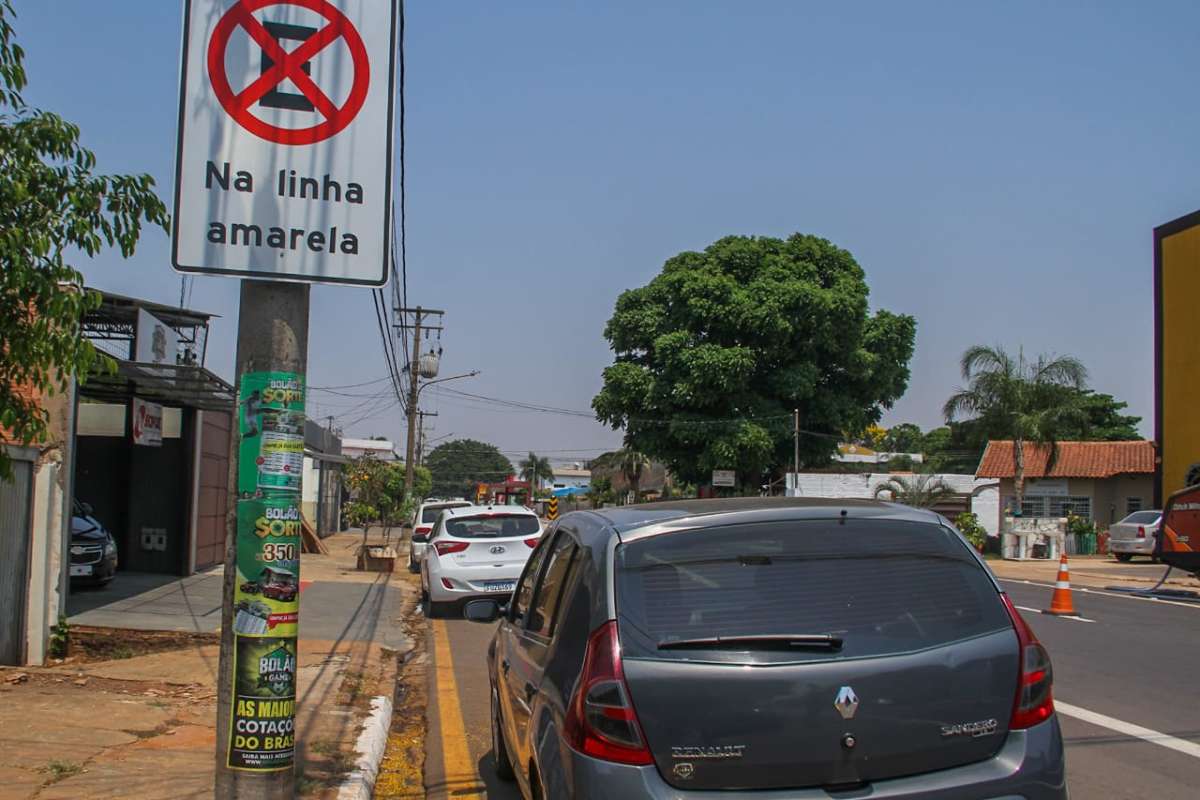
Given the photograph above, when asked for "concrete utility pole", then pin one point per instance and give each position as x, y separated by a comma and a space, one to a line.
418, 324
272, 338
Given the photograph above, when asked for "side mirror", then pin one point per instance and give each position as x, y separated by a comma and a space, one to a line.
87, 509
482, 611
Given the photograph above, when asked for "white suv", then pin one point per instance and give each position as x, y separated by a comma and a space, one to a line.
422, 526
477, 551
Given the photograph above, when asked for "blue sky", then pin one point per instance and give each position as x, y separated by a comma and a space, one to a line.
996, 169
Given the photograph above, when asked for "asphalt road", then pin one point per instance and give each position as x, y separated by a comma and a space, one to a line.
1133, 664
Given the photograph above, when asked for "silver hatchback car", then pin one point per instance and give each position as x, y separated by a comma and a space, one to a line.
774, 649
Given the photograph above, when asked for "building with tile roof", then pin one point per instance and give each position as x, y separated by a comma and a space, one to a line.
1103, 481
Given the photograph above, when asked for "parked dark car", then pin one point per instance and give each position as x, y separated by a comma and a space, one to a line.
93, 549
798, 648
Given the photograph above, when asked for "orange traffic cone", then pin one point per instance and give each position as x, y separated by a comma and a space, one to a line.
1061, 603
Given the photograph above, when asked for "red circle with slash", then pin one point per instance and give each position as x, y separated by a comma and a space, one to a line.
288, 66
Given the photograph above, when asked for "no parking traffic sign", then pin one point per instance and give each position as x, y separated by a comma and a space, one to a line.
284, 161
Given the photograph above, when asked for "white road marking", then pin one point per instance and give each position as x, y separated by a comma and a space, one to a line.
1193, 606
1129, 729
1039, 611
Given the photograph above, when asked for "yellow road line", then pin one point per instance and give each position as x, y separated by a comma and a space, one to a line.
458, 768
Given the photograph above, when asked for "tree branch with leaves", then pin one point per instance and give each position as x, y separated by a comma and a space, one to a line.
52, 204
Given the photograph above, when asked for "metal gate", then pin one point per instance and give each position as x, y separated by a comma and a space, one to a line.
15, 500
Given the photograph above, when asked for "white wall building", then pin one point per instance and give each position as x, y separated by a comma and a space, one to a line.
984, 493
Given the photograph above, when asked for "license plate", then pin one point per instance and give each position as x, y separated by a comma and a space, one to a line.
80, 571
500, 586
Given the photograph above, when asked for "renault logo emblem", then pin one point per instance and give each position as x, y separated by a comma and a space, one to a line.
498, 549
846, 702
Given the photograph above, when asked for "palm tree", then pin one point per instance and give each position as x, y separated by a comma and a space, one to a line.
633, 464
920, 491
1028, 402
535, 468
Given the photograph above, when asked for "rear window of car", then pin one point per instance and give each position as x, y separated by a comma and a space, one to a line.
1141, 517
493, 526
883, 587
430, 513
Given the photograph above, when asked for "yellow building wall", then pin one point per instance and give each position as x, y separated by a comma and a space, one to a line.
1180, 341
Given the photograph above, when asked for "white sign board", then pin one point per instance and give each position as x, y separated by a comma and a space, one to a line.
147, 423
284, 162
156, 341
1047, 487
724, 477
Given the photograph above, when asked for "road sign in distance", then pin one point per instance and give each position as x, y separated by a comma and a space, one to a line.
284, 162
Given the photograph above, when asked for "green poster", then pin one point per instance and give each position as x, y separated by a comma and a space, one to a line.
266, 594
271, 427
262, 733
267, 586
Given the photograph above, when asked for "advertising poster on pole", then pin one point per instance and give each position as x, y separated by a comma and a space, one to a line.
263, 722
271, 424
266, 614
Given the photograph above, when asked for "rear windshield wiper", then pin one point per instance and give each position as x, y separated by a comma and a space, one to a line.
781, 640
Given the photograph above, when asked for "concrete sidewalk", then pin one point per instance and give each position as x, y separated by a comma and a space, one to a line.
145, 726
1096, 572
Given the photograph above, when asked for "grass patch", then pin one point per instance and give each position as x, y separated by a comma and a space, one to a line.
61, 770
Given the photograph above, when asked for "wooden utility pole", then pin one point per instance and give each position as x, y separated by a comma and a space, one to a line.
272, 349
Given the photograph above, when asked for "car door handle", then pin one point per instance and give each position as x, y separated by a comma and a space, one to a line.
504, 666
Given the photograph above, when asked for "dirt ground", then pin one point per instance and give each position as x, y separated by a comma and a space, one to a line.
401, 774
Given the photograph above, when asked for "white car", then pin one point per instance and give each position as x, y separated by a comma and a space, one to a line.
1134, 535
477, 551
422, 526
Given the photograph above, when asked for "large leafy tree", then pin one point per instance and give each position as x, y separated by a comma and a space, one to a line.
1030, 402
714, 353
903, 438
459, 465
53, 206
1103, 420
955, 448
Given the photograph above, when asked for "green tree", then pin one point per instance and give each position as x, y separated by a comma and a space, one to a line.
1029, 402
919, 491
1102, 420
903, 438
535, 469
714, 353
954, 448
377, 493
459, 465
600, 491
969, 526
53, 206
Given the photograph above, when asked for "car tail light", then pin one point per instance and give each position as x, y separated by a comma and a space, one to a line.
421, 534
601, 721
1035, 701
533, 542
1141, 532
446, 582
446, 548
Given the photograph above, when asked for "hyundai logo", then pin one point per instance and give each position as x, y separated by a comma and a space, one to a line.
498, 549
846, 702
